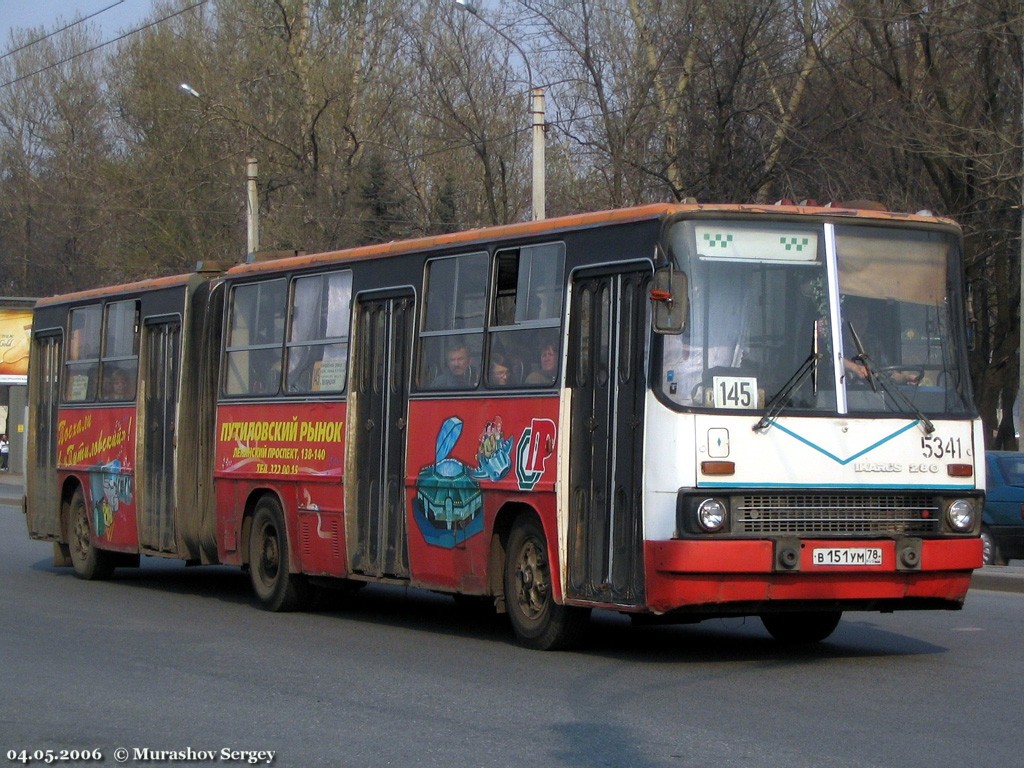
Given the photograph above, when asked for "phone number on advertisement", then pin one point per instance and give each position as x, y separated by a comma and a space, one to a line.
277, 469
26, 756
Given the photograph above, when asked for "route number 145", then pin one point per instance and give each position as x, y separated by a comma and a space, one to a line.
735, 392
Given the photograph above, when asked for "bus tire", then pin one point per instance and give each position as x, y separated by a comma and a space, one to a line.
538, 621
89, 562
801, 628
276, 588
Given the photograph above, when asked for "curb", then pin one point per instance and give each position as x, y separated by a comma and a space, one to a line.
999, 578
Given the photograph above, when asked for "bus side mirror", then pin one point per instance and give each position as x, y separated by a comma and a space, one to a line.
671, 298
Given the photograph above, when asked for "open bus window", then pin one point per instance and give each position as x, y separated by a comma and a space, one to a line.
83, 354
317, 350
453, 322
526, 316
255, 338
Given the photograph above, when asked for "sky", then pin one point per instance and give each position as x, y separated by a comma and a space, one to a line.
112, 16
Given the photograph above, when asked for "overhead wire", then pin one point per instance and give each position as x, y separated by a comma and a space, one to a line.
65, 28
102, 45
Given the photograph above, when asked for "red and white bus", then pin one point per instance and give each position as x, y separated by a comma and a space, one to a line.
672, 411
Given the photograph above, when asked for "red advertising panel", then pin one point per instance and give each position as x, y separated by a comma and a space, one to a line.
467, 458
99, 445
298, 449
281, 441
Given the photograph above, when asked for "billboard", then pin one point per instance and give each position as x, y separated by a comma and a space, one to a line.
15, 334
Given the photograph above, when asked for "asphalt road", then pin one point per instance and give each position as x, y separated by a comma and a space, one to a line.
169, 658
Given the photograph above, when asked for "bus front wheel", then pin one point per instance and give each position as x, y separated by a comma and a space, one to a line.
801, 628
539, 622
89, 562
276, 588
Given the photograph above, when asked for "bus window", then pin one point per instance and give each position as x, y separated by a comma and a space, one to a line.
453, 322
255, 338
526, 315
119, 364
894, 293
83, 354
317, 350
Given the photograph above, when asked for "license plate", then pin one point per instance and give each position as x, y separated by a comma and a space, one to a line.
847, 556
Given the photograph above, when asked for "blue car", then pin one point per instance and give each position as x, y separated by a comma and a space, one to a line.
1002, 529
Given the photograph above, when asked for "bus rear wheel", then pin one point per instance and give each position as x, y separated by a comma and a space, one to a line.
89, 562
801, 628
539, 622
276, 588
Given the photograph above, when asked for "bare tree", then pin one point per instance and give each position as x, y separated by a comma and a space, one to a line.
55, 152
930, 95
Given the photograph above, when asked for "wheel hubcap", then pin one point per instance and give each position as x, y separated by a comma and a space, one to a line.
532, 581
81, 534
270, 556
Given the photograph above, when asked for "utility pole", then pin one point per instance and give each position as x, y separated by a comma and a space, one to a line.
252, 201
537, 113
252, 209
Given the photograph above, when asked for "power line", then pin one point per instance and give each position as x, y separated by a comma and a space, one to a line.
104, 44
66, 27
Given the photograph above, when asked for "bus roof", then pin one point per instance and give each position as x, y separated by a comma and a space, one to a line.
502, 232
576, 221
139, 286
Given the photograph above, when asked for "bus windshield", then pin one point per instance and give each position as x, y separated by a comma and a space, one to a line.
781, 311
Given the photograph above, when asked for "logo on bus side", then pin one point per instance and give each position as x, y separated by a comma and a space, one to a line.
109, 489
536, 444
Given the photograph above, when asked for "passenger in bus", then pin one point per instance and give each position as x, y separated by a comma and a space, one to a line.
118, 386
459, 374
548, 365
501, 372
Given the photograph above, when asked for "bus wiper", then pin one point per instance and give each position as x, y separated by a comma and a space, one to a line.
888, 388
782, 398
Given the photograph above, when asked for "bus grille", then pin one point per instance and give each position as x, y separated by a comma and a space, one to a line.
809, 514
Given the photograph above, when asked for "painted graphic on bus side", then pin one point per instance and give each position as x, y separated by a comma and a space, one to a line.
101, 444
448, 502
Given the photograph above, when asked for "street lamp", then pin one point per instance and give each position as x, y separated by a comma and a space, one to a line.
252, 196
536, 112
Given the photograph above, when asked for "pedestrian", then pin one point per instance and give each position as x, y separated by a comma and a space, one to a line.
5, 452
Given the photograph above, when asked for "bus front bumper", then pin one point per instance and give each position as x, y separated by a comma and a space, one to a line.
745, 575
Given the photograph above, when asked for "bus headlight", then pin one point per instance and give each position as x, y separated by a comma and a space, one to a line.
960, 515
712, 515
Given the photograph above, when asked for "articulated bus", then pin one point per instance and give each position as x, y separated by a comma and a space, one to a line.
675, 412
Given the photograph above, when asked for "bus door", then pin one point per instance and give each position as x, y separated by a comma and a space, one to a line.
162, 346
43, 487
607, 380
380, 391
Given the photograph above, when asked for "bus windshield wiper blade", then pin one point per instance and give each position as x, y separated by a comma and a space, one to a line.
782, 398
888, 387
